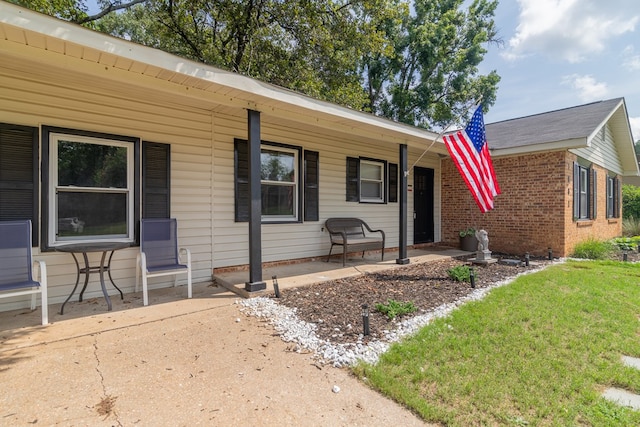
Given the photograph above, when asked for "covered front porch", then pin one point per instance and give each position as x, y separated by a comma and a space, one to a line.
20, 328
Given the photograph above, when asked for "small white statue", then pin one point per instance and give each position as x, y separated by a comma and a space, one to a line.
77, 225
483, 240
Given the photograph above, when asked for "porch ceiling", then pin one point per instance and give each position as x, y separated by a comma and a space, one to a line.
37, 44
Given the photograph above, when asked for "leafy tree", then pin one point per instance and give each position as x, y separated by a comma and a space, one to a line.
69, 10
432, 75
631, 201
309, 46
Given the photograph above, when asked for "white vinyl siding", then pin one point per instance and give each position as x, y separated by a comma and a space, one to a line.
602, 151
68, 100
305, 239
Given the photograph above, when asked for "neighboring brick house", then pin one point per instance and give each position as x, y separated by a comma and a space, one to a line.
560, 175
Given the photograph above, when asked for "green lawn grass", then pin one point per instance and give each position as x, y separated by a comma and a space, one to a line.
538, 351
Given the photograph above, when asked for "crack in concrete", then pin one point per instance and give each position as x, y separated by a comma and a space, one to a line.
106, 406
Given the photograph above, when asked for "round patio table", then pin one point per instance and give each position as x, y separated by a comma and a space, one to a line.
85, 248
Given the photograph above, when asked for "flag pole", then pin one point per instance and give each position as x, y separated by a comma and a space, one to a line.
442, 132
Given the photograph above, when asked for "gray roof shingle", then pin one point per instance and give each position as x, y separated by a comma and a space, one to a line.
553, 126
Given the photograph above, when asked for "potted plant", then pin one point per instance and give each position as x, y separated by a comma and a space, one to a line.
468, 241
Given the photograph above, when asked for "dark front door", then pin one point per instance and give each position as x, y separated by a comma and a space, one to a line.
422, 205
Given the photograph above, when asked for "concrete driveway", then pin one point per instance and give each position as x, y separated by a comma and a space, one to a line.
176, 362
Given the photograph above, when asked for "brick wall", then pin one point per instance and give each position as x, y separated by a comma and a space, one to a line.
534, 211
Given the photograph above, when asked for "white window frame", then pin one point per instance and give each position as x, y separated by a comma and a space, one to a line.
584, 193
54, 138
295, 184
381, 182
611, 209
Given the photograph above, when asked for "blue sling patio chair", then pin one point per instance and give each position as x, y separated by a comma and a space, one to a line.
159, 254
17, 265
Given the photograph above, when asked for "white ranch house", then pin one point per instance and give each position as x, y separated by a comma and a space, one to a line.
187, 135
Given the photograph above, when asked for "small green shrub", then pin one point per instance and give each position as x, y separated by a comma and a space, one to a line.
623, 243
460, 273
593, 249
630, 226
395, 308
467, 232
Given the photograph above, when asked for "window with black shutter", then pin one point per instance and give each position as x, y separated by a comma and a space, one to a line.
19, 175
582, 194
371, 181
288, 193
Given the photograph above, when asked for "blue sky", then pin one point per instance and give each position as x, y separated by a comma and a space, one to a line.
562, 53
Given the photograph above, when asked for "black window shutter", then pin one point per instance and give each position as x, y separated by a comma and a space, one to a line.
156, 179
393, 183
311, 188
353, 173
241, 181
616, 197
576, 191
594, 194
19, 175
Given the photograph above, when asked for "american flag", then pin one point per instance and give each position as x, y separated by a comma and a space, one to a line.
470, 153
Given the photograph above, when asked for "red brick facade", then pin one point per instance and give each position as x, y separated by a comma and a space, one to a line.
534, 211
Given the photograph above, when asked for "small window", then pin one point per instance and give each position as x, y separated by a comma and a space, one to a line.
91, 188
279, 182
584, 192
613, 198
371, 181
367, 181
286, 186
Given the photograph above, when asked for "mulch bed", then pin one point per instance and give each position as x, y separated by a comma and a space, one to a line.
336, 306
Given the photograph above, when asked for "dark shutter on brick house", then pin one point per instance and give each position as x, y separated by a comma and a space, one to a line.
156, 179
593, 202
576, 191
311, 188
241, 181
616, 197
19, 175
353, 172
393, 183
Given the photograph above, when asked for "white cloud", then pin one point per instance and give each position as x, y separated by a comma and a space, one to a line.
588, 88
635, 127
570, 30
630, 59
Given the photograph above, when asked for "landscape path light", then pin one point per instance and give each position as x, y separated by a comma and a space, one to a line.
276, 287
365, 320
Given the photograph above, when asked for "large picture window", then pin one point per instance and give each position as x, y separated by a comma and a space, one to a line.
91, 187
